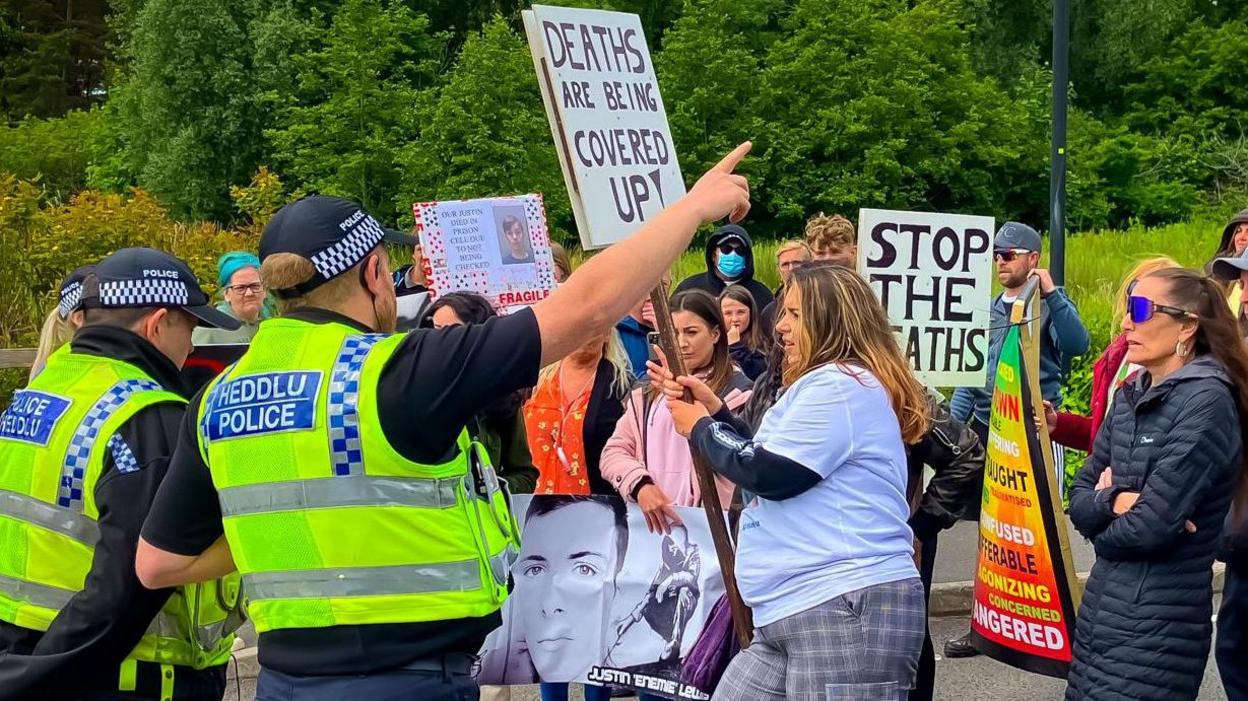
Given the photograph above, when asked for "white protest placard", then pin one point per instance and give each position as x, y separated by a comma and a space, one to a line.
497, 247
610, 128
933, 273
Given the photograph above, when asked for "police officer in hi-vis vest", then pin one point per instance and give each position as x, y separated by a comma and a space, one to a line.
83, 450
373, 539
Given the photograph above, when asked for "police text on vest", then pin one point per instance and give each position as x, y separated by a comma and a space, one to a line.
266, 403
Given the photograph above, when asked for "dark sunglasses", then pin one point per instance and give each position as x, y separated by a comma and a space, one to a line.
727, 248
1141, 309
1008, 255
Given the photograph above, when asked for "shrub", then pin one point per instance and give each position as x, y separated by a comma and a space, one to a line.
54, 152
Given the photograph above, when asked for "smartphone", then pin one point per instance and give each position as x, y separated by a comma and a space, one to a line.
652, 340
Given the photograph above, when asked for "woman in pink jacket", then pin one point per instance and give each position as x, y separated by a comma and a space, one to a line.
645, 459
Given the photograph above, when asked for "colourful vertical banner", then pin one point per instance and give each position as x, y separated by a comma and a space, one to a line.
1023, 612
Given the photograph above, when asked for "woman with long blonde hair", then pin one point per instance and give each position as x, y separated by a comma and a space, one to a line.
63, 321
573, 412
825, 558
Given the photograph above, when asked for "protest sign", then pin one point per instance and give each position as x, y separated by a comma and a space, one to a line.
933, 273
602, 99
497, 247
1023, 612
599, 598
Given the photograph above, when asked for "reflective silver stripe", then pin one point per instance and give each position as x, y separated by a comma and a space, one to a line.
40, 595
364, 581
330, 492
500, 564
67, 522
166, 625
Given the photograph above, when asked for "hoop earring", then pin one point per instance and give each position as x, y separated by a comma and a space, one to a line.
1180, 350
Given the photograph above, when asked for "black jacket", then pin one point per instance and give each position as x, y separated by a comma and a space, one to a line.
500, 430
949, 447
710, 280
1143, 629
83, 649
956, 457
606, 406
1233, 549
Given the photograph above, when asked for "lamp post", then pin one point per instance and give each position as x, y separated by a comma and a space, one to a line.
1057, 152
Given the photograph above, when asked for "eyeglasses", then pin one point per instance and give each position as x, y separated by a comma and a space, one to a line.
1141, 309
254, 288
727, 248
1009, 255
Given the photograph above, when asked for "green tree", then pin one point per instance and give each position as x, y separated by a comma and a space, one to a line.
484, 132
346, 136
55, 152
879, 105
52, 56
184, 121
709, 71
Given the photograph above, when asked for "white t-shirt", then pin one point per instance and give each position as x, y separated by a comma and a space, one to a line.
847, 532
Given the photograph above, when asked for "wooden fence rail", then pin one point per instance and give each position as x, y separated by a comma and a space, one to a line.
16, 357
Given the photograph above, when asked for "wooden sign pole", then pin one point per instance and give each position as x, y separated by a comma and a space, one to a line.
741, 618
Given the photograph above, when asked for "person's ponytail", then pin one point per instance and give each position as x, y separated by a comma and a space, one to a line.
1217, 335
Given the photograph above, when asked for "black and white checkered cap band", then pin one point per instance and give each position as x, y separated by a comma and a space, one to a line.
349, 250
71, 295
142, 293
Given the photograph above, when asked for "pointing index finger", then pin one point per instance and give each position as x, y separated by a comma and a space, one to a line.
729, 162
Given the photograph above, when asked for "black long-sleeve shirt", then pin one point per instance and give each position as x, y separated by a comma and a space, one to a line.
83, 648
432, 386
722, 438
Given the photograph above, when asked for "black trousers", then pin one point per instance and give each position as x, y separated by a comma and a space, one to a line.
925, 679
1232, 649
395, 685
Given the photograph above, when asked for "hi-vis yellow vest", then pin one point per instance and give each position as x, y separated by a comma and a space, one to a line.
328, 524
53, 440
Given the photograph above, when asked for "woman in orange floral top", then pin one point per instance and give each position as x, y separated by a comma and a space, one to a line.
573, 412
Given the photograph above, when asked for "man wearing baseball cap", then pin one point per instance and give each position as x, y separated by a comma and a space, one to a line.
1016, 252
83, 450
374, 539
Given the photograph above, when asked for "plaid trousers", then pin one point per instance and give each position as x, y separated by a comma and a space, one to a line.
860, 646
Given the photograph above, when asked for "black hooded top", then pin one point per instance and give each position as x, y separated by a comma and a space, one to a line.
710, 280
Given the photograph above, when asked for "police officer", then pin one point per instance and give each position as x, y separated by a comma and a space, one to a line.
372, 537
82, 451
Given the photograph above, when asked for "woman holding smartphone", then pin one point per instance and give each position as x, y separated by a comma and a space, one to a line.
825, 557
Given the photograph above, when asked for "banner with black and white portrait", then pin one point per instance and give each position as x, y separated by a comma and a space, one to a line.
599, 598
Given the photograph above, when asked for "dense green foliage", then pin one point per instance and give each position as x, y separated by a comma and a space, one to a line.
938, 104
931, 104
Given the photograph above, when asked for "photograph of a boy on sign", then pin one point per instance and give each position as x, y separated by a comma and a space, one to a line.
513, 236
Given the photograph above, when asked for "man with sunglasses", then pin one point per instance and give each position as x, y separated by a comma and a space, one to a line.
729, 261
1016, 254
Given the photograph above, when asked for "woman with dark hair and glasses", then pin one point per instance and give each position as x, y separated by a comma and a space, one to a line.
499, 428
1155, 493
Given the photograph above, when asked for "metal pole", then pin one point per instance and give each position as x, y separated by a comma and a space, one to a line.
1057, 153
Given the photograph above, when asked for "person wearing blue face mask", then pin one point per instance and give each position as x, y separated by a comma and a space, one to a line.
729, 261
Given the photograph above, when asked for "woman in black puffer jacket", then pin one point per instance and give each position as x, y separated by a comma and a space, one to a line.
1153, 496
